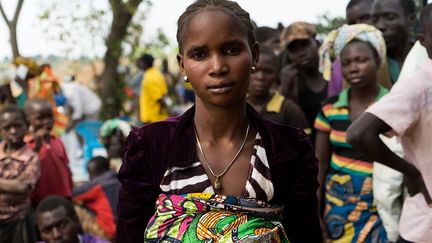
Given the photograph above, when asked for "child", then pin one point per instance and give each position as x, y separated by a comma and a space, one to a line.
113, 135
219, 172
98, 199
55, 173
19, 171
272, 105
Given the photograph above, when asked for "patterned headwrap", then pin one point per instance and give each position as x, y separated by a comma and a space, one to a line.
336, 40
110, 125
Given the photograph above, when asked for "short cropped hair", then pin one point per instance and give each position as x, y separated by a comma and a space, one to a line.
13, 109
51, 203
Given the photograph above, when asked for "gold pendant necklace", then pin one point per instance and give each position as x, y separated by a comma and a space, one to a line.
218, 183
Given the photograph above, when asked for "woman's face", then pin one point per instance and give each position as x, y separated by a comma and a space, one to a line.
359, 66
217, 58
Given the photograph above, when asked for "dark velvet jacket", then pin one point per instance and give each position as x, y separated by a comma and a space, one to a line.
151, 149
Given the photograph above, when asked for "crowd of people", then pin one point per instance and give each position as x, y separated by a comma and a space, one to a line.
266, 135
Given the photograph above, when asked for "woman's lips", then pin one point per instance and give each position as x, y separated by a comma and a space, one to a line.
221, 88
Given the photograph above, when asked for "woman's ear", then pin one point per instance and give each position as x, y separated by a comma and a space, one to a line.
378, 62
181, 63
255, 53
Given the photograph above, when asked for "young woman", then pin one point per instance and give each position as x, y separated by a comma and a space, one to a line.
350, 214
221, 172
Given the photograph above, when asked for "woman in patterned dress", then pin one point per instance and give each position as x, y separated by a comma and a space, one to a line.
219, 172
350, 213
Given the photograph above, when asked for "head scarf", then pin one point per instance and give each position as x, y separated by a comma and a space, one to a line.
110, 125
337, 39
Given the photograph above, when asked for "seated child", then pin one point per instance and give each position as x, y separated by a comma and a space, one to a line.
98, 199
19, 172
113, 135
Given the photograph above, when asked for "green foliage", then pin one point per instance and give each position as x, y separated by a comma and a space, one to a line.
157, 46
77, 33
327, 23
83, 32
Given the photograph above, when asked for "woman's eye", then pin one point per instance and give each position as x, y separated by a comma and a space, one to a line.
362, 60
232, 50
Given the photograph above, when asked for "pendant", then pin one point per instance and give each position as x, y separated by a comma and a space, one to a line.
217, 183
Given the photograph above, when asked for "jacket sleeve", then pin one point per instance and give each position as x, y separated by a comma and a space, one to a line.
300, 217
138, 192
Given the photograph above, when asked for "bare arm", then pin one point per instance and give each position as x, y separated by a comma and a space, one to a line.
363, 135
323, 153
14, 186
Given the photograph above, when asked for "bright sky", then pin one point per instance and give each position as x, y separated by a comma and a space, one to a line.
164, 15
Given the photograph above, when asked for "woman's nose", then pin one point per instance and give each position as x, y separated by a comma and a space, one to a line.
219, 66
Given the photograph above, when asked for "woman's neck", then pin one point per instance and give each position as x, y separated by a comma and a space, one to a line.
366, 94
219, 123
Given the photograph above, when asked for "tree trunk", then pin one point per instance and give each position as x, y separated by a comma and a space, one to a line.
12, 25
14, 42
109, 84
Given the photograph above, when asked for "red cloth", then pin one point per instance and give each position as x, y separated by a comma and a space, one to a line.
95, 199
56, 177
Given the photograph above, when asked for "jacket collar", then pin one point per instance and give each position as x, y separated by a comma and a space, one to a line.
183, 145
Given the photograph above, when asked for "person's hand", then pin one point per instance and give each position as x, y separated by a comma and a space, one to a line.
415, 184
41, 133
323, 230
288, 75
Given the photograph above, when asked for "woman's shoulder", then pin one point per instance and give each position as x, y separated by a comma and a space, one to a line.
155, 132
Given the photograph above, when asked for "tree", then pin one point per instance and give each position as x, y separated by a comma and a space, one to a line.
327, 23
82, 32
12, 26
109, 80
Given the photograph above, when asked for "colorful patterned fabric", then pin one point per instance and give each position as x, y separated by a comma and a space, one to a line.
350, 212
46, 86
205, 217
337, 39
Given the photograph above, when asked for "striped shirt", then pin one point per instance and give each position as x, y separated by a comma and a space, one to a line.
334, 119
193, 178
